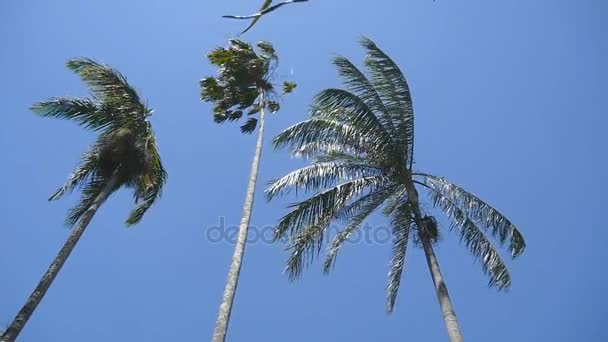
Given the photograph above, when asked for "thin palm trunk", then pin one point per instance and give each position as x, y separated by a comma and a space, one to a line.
447, 310
47, 280
223, 317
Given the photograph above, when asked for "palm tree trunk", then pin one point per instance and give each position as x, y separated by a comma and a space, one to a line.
47, 280
447, 310
449, 316
223, 317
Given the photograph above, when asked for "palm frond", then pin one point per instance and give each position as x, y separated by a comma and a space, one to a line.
319, 175
323, 205
149, 184
358, 83
85, 112
356, 212
323, 151
344, 105
87, 168
89, 192
476, 241
478, 211
305, 245
317, 129
389, 82
401, 222
110, 86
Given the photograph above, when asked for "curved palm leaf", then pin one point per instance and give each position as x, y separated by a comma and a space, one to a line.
357, 212
394, 91
324, 205
111, 88
86, 112
475, 240
149, 184
401, 223
319, 175
479, 211
358, 83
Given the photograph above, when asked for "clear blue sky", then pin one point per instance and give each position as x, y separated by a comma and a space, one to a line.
510, 103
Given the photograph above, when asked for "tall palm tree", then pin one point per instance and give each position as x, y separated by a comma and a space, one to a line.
361, 143
124, 155
243, 85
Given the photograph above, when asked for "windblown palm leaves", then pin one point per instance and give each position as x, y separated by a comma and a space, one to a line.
360, 140
265, 9
244, 76
126, 146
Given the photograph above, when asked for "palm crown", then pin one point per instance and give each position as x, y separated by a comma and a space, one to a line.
125, 148
244, 82
361, 140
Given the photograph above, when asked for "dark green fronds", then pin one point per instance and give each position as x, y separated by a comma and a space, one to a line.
401, 222
319, 175
85, 112
389, 82
111, 88
243, 83
289, 87
356, 213
249, 126
475, 240
125, 153
149, 184
89, 192
87, 167
480, 212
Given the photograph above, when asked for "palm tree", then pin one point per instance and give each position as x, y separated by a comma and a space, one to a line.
124, 155
243, 85
361, 141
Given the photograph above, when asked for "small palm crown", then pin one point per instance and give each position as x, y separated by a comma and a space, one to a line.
125, 148
244, 82
361, 141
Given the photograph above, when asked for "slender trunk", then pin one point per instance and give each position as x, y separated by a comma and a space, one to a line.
223, 317
449, 316
447, 310
45, 283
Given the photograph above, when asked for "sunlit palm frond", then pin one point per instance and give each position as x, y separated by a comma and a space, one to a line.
390, 83
343, 105
86, 112
356, 213
479, 246
480, 212
401, 222
319, 175
323, 205
395, 200
320, 130
358, 83
322, 151
111, 88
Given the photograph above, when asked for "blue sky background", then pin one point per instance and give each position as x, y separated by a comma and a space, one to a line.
510, 103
